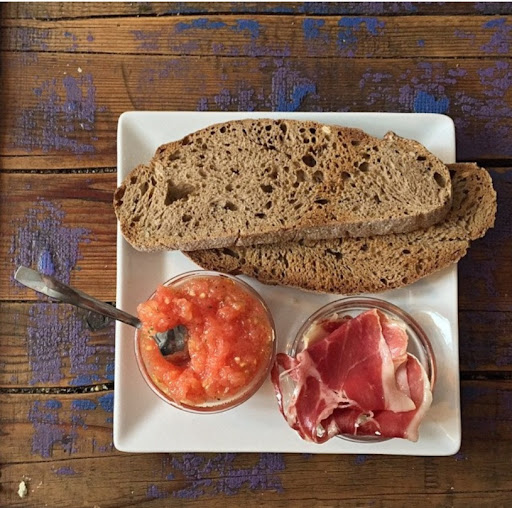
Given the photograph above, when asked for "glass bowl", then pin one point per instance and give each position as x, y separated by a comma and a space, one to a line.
248, 390
418, 342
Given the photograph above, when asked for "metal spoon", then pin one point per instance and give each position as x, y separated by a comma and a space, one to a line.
169, 342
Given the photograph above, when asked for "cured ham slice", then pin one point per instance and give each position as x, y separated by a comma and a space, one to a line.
355, 422
396, 338
357, 380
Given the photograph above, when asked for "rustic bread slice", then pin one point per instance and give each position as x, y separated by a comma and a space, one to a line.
361, 265
264, 181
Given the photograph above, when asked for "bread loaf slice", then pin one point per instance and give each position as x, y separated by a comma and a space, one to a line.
368, 265
251, 182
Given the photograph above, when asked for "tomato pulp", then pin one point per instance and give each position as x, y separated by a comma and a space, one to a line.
230, 339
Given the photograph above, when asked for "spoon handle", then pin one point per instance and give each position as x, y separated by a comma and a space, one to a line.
57, 290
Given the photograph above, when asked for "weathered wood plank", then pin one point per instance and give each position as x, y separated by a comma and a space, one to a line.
44, 161
47, 344
62, 224
255, 480
485, 274
485, 340
67, 106
61, 440
59, 10
63, 426
286, 36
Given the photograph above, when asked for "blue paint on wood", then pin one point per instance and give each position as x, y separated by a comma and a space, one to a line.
65, 471
202, 104
493, 110
460, 34
349, 30
200, 24
107, 402
314, 7
367, 8
223, 99
281, 8
51, 330
311, 28
68, 106
29, 38
47, 431
45, 263
74, 38
373, 25
41, 239
87, 405
53, 404
109, 371
460, 456
289, 89
229, 479
242, 99
493, 8
501, 40
78, 421
153, 492
495, 23
427, 103
108, 448
310, 8
148, 39
248, 25
85, 379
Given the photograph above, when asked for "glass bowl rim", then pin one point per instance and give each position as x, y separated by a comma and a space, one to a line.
256, 383
369, 302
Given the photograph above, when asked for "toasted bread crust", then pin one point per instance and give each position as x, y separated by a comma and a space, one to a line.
369, 265
253, 182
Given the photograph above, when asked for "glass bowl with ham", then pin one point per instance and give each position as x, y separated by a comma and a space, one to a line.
360, 369
231, 341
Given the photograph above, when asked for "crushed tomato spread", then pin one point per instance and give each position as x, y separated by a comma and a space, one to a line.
230, 339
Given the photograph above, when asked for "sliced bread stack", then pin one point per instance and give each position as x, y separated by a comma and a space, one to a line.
369, 265
319, 207
262, 181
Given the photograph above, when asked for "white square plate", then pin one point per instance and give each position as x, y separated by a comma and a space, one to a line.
144, 423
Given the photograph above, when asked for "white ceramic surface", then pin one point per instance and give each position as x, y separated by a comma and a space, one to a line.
145, 423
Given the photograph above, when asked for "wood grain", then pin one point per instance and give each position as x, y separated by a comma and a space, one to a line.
484, 339
61, 455
62, 224
38, 427
266, 35
484, 277
68, 105
54, 345
59, 10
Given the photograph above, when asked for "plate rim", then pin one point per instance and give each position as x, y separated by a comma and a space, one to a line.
119, 440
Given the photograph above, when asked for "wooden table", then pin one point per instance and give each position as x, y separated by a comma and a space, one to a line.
69, 70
